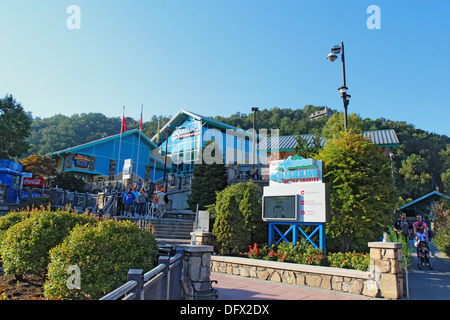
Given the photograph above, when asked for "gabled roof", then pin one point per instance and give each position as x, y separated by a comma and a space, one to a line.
179, 117
423, 198
382, 138
103, 140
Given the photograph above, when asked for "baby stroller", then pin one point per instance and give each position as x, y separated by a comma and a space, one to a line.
423, 252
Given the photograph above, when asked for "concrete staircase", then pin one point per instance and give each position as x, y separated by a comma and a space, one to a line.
172, 231
167, 231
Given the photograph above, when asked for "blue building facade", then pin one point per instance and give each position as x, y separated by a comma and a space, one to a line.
181, 141
99, 160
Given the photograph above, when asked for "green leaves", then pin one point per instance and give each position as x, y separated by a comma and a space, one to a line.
15, 128
362, 191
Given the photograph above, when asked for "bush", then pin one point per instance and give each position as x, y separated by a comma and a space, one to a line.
7, 221
103, 253
237, 218
26, 244
441, 216
349, 260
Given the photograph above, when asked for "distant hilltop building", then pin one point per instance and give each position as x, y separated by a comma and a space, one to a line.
325, 112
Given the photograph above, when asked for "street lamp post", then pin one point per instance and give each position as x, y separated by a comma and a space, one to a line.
254, 109
343, 90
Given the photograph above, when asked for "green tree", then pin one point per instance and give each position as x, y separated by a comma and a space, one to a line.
362, 191
39, 166
68, 181
445, 173
15, 128
251, 208
308, 150
231, 236
335, 124
208, 179
417, 179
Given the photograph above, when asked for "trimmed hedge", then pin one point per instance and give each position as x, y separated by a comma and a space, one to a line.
25, 244
102, 253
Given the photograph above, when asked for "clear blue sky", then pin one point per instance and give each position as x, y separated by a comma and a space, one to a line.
219, 57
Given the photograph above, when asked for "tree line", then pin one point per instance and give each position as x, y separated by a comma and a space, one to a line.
421, 162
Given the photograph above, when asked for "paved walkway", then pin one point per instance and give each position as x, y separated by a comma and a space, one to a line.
244, 288
424, 284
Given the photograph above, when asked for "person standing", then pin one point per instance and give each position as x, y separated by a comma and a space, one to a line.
141, 202
403, 226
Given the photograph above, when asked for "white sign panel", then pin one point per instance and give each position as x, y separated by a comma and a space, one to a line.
127, 167
301, 178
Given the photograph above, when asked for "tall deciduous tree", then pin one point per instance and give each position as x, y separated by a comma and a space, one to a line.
39, 166
15, 128
362, 191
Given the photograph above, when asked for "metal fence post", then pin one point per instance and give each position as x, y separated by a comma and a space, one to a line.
138, 276
176, 291
163, 292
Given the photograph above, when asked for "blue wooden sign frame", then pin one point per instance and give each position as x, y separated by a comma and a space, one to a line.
294, 228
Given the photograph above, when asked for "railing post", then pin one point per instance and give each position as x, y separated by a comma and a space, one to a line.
138, 276
175, 290
162, 286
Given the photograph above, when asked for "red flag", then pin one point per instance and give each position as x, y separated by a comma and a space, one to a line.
124, 125
140, 122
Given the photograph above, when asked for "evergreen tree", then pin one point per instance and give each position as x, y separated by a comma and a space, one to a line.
231, 236
251, 209
208, 178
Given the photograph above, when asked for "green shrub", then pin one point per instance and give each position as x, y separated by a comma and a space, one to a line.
26, 244
103, 253
349, 260
11, 219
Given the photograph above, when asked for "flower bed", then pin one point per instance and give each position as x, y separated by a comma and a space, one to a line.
305, 253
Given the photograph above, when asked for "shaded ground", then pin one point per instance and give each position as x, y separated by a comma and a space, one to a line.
29, 287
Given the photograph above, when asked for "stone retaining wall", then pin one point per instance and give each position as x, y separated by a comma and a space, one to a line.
384, 278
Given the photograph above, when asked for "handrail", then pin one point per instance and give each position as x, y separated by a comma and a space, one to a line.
152, 273
120, 291
160, 282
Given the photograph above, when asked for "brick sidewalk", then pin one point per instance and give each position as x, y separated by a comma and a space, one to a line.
242, 288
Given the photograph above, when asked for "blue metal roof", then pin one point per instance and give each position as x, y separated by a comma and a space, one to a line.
385, 138
382, 138
285, 142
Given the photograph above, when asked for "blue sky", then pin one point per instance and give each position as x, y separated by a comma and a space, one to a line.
219, 57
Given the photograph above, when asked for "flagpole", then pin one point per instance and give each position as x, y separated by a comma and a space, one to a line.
139, 145
156, 151
120, 144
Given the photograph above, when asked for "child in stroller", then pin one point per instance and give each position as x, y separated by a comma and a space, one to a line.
423, 252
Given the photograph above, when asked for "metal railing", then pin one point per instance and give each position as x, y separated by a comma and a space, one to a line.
160, 283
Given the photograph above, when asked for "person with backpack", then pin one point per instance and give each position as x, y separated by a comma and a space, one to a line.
128, 200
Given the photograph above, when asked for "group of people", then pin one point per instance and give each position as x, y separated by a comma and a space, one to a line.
131, 202
417, 231
134, 202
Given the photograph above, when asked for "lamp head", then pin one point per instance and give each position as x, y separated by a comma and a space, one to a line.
332, 56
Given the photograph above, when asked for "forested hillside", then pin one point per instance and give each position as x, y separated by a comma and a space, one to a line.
421, 163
